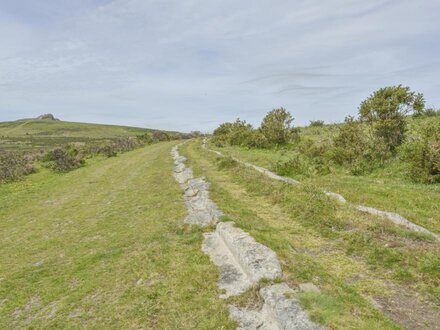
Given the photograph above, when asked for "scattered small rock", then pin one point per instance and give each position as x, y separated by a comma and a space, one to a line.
308, 287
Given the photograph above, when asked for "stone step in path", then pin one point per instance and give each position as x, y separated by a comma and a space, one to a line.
243, 262
394, 217
280, 311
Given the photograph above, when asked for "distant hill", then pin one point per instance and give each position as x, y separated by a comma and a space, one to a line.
46, 131
56, 128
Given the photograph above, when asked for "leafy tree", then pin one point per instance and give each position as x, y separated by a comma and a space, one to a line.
385, 111
276, 126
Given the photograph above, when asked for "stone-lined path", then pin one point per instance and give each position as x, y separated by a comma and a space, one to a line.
394, 217
243, 262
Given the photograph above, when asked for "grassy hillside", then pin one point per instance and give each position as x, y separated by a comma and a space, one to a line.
32, 133
105, 247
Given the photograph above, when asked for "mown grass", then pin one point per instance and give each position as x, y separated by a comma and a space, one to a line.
352, 257
105, 247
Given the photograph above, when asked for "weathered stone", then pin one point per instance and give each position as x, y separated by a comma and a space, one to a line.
308, 287
280, 311
179, 168
258, 261
233, 278
397, 219
184, 176
336, 196
242, 260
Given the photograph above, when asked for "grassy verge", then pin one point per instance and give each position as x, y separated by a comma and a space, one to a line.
353, 257
105, 247
417, 202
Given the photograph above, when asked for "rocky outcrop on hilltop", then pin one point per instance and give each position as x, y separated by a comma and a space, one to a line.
47, 116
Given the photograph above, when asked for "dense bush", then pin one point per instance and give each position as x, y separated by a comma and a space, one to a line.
275, 130
423, 156
316, 123
276, 126
367, 144
14, 166
159, 136
237, 133
295, 166
65, 159
357, 149
385, 111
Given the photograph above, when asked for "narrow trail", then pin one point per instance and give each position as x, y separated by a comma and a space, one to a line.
243, 262
394, 217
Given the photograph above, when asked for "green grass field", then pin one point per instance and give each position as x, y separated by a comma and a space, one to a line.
43, 134
105, 247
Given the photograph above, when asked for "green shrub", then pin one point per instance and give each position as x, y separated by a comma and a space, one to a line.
316, 123
385, 111
238, 133
295, 166
276, 126
226, 163
423, 156
14, 166
257, 140
357, 150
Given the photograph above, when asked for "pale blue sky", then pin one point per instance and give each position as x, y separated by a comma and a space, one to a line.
190, 65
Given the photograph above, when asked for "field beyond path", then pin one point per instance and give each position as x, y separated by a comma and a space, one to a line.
105, 246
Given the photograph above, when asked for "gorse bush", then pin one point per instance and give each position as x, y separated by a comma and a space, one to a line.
14, 166
275, 130
65, 159
423, 156
276, 126
385, 112
237, 133
381, 136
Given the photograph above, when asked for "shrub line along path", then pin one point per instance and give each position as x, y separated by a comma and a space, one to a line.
243, 262
394, 217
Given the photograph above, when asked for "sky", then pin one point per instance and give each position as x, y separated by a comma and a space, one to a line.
192, 64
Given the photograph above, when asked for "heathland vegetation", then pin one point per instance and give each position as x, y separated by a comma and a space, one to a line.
393, 125
387, 157
26, 145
